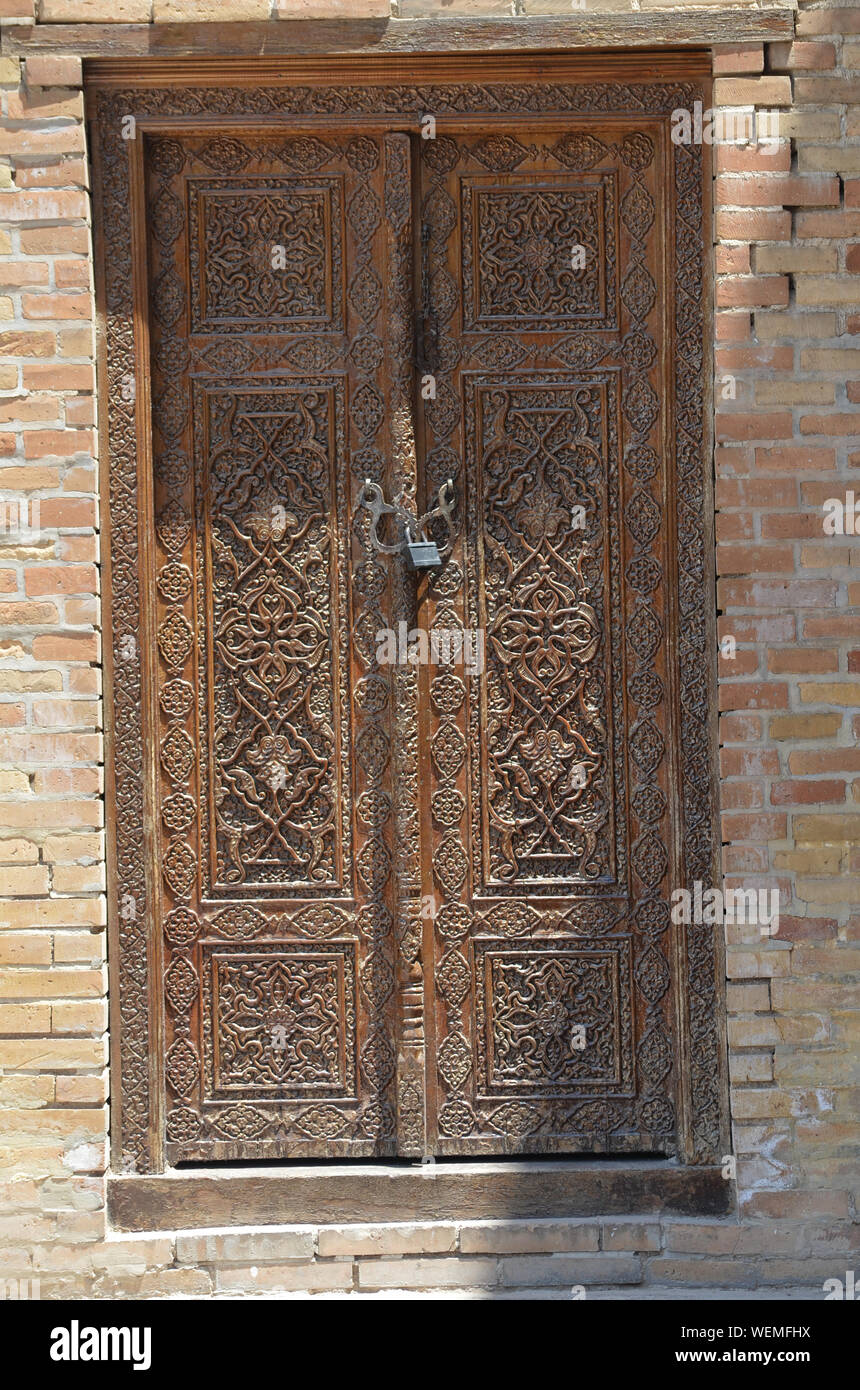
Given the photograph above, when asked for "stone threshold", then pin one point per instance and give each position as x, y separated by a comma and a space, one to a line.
378, 1192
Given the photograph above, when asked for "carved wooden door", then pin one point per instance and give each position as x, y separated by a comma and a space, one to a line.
551, 778
371, 909
271, 381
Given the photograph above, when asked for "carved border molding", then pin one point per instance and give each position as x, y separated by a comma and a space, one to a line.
137, 1147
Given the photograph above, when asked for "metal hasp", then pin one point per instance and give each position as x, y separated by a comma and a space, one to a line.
421, 551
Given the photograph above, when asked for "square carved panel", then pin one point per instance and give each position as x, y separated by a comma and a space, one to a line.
552, 1018
539, 254
265, 255
279, 1020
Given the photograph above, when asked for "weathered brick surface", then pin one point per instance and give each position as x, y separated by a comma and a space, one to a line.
787, 372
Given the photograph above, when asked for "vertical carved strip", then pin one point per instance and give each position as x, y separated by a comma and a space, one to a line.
411, 1121
131, 909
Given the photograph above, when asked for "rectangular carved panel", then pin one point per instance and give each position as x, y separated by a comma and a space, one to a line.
271, 457
545, 452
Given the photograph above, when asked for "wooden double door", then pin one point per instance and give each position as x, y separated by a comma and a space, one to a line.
416, 907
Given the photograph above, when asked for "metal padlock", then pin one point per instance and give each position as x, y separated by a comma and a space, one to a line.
422, 555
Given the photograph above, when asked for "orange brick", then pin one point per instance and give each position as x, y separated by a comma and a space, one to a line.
43, 206
51, 241
69, 646
806, 761
60, 579
828, 224
754, 559
777, 359
766, 826
777, 593
732, 327
751, 426
49, 71
57, 443
67, 511
56, 306
788, 525
60, 377
830, 424
738, 57
741, 796
729, 260
806, 793
811, 459
800, 660
753, 291
740, 728
776, 190
802, 56
753, 226
749, 762
737, 695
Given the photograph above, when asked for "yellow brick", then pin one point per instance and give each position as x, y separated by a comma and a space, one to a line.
799, 726
76, 947
778, 259
201, 11
53, 912
813, 289
827, 829
808, 125
809, 860
28, 880
73, 1016
831, 693
770, 325
24, 1018
25, 948
29, 1091
752, 91
828, 890
85, 1125
830, 360
12, 681
10, 71
73, 849
795, 393
829, 159
75, 878
18, 852
91, 11
61, 985
13, 781
81, 1090
50, 1054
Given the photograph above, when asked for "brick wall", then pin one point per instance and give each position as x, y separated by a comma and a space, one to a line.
787, 387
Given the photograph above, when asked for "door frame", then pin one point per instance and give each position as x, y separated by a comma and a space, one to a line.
160, 95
